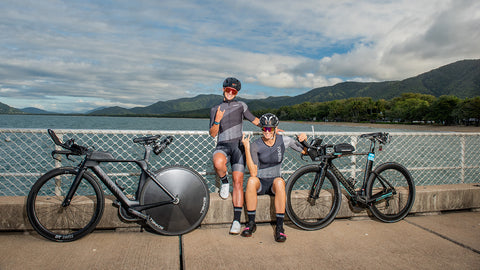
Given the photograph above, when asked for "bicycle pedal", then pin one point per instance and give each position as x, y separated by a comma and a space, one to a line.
356, 207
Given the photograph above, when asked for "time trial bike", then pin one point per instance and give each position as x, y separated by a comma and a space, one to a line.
67, 203
314, 194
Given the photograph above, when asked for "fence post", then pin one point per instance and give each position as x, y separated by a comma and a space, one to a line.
462, 158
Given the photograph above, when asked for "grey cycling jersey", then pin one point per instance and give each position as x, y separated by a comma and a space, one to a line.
230, 128
269, 158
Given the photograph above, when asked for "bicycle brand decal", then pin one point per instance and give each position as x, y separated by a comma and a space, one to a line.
64, 237
204, 206
371, 156
156, 224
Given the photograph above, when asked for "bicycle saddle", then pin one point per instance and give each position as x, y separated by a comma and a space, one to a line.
371, 135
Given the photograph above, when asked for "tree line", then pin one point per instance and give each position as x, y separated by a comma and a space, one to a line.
408, 108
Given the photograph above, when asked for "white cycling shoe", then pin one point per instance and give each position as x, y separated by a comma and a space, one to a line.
236, 227
224, 191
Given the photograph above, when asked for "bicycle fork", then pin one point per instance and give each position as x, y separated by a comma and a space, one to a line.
76, 182
317, 184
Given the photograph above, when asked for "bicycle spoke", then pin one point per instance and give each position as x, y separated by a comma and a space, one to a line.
56, 222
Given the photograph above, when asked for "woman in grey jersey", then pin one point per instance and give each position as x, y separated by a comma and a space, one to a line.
264, 160
226, 121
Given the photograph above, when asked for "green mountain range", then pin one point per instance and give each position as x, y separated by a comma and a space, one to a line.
5, 109
461, 79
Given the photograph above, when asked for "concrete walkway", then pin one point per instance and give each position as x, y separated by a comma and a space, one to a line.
445, 241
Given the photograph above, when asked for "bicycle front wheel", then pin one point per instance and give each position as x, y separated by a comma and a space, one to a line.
312, 213
61, 223
392, 188
191, 207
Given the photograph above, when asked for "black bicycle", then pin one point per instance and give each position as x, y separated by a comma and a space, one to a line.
314, 195
67, 203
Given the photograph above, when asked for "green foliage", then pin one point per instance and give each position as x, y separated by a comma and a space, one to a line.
442, 110
408, 108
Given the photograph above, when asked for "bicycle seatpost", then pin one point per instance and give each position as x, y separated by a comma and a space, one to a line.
148, 152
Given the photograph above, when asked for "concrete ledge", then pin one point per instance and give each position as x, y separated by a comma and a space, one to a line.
428, 199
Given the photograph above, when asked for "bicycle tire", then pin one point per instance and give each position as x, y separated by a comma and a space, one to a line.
193, 195
303, 213
64, 224
396, 207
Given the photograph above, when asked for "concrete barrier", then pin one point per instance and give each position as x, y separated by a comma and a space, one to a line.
438, 198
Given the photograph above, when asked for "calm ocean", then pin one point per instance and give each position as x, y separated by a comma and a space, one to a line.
150, 123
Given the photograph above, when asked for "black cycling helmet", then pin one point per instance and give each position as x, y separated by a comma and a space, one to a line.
269, 120
233, 83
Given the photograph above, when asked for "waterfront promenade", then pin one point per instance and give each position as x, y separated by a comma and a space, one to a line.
442, 241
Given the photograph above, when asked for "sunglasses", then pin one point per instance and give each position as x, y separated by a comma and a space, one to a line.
231, 90
268, 129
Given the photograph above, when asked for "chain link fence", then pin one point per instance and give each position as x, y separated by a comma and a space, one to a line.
432, 158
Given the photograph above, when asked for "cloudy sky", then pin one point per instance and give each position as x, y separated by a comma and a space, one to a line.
74, 56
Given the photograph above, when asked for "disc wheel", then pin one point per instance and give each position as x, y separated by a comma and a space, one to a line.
191, 207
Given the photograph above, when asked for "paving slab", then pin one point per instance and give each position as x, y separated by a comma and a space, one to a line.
460, 227
344, 244
98, 250
446, 241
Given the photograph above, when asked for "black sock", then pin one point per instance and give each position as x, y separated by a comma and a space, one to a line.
251, 216
280, 218
237, 212
224, 179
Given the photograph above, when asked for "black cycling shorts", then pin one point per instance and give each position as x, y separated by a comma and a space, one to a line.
266, 186
235, 154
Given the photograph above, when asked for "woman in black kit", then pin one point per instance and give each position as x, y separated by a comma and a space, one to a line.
226, 121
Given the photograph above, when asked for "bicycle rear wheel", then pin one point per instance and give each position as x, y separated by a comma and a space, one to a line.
311, 214
392, 186
64, 223
188, 213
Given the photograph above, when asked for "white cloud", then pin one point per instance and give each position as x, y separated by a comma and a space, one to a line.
136, 53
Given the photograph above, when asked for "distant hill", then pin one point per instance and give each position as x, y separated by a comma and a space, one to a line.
111, 111
32, 110
5, 109
461, 79
165, 107
179, 105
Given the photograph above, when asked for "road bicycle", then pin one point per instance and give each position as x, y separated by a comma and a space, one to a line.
314, 194
67, 203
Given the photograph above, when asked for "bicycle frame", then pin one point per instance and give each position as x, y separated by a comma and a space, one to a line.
93, 164
314, 193
359, 196
157, 201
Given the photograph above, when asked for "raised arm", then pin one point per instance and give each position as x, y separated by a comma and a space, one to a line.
215, 126
252, 167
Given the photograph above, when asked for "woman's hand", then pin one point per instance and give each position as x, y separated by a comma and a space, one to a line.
302, 137
246, 140
219, 115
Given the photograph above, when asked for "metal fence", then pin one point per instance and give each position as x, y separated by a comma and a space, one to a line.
432, 158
